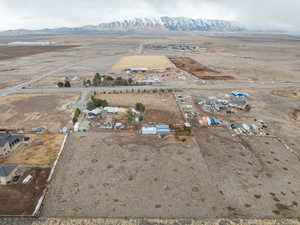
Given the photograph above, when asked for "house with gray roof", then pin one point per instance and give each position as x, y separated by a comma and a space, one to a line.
9, 142
7, 173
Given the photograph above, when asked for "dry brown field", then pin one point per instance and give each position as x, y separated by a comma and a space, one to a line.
152, 62
35, 154
27, 111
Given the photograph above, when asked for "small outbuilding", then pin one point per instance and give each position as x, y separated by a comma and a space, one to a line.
163, 129
148, 130
138, 69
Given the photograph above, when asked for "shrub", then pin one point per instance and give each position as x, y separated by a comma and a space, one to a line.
95, 103
74, 120
129, 116
140, 107
67, 83
130, 81
76, 116
77, 113
97, 80
91, 105
60, 84
109, 78
99, 102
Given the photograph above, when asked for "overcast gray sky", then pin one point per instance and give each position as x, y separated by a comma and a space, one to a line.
35, 14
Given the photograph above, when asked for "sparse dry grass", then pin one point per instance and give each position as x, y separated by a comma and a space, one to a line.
34, 154
152, 101
160, 108
27, 111
155, 62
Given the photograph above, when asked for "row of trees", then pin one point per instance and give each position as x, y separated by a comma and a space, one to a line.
103, 80
76, 116
95, 103
64, 84
139, 107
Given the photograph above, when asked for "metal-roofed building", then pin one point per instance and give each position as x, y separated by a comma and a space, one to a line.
148, 130
138, 69
163, 129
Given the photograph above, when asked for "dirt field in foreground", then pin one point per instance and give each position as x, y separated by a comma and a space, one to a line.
36, 110
102, 221
153, 62
21, 199
128, 175
211, 175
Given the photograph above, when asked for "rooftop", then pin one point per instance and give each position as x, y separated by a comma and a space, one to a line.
6, 170
6, 137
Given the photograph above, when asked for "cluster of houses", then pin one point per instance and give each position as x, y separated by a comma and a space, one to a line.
214, 105
105, 117
180, 47
97, 113
8, 144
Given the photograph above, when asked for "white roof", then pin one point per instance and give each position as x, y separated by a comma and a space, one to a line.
148, 130
96, 111
138, 68
112, 109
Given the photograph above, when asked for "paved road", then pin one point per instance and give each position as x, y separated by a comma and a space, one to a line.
140, 50
129, 88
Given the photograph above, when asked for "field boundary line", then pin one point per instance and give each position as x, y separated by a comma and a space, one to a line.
57, 158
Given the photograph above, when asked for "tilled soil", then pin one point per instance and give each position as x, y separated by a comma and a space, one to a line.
21, 199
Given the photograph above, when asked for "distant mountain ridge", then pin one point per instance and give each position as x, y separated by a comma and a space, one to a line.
140, 24
172, 24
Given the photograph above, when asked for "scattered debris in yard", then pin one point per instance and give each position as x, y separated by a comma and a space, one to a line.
178, 47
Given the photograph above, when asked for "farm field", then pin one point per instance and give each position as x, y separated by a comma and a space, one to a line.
50, 111
224, 176
200, 71
256, 175
21, 51
128, 175
152, 62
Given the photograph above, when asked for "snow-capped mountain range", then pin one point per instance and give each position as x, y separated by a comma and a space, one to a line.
172, 24
141, 24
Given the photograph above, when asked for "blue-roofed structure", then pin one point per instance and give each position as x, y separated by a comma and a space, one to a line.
163, 129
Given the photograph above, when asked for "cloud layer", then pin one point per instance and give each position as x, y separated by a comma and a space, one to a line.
35, 14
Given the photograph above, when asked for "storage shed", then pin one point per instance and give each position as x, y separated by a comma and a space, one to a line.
163, 129
148, 130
